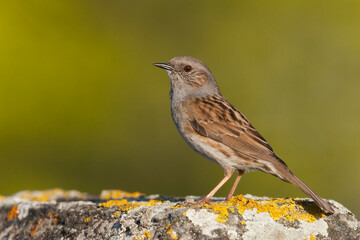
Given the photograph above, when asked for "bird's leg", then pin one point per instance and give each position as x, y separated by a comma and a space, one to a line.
237, 180
228, 173
212, 193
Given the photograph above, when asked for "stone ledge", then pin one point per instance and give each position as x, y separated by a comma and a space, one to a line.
115, 214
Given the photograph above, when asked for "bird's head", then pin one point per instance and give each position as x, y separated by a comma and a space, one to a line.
189, 77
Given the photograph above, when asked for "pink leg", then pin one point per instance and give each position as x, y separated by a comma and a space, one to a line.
228, 173
237, 180
212, 193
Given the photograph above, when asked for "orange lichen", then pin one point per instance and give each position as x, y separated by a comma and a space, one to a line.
118, 194
52, 216
125, 206
54, 220
33, 230
285, 209
13, 213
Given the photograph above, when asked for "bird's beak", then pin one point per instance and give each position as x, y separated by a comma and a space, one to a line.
165, 66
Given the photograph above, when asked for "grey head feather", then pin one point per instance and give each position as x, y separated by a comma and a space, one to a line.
181, 87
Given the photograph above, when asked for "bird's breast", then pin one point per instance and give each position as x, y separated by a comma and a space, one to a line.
205, 146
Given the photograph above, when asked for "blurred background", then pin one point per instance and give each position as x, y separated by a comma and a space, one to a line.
82, 107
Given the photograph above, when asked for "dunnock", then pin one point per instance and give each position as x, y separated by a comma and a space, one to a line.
216, 130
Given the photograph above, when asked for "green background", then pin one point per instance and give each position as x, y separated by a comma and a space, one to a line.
81, 106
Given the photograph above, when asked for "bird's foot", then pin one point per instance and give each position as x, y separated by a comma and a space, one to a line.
227, 199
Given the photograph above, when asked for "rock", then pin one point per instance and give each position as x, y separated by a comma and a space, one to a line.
59, 214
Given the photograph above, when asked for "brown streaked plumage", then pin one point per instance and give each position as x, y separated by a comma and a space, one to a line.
215, 129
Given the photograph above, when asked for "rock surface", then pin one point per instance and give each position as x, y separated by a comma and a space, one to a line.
59, 214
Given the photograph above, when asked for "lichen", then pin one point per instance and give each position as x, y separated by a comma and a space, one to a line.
87, 220
53, 194
286, 209
117, 214
118, 194
147, 234
279, 209
312, 237
33, 229
53, 216
13, 213
221, 209
144, 235
48, 195
111, 203
125, 206
172, 234
176, 206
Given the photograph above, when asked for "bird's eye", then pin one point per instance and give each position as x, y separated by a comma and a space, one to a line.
187, 68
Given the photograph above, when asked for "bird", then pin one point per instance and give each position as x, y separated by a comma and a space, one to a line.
219, 132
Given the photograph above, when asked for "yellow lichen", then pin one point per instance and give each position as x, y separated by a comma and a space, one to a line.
111, 203
170, 231
147, 234
118, 194
125, 206
243, 222
48, 195
51, 194
221, 209
175, 207
312, 237
285, 209
87, 219
144, 235
172, 234
117, 214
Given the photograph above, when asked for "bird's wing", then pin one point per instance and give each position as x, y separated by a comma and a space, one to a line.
215, 118
218, 120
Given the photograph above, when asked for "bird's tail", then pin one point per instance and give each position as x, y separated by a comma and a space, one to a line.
290, 177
